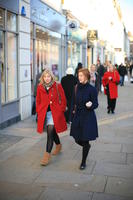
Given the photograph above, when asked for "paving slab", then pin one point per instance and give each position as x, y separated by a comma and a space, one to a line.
130, 158
107, 147
116, 170
59, 194
127, 148
119, 186
15, 175
109, 157
13, 191
68, 180
18, 148
102, 196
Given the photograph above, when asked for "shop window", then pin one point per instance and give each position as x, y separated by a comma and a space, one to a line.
3, 95
11, 21
12, 67
1, 18
8, 58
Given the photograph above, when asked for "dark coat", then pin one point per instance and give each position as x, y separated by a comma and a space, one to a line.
122, 70
84, 122
68, 82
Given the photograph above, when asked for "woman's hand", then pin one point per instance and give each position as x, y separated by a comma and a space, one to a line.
88, 104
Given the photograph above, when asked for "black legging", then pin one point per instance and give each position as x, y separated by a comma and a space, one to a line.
51, 138
86, 147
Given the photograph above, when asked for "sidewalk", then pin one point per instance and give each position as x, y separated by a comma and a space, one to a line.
109, 172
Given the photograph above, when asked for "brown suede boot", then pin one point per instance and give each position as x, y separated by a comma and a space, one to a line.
57, 149
46, 159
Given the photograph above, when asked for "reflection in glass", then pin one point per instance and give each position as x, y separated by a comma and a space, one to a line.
12, 67
1, 18
31, 30
2, 67
11, 21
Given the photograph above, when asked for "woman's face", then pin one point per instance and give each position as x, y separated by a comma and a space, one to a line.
111, 68
47, 78
93, 68
82, 78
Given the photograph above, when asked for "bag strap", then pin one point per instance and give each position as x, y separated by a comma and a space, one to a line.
59, 96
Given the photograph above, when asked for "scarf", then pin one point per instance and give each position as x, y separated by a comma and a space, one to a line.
48, 85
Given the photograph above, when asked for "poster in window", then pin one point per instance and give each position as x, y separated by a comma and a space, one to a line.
55, 71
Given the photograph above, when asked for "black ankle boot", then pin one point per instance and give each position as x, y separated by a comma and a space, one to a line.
108, 111
82, 166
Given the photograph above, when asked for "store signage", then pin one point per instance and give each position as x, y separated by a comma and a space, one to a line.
92, 35
40, 16
73, 25
23, 11
47, 17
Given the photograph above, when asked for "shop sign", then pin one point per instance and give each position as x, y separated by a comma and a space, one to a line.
40, 16
92, 35
47, 17
78, 35
73, 25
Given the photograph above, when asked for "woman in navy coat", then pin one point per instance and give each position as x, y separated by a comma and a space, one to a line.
83, 119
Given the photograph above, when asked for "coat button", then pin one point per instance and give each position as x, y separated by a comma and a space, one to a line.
50, 102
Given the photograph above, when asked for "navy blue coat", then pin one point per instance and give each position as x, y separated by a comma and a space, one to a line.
84, 122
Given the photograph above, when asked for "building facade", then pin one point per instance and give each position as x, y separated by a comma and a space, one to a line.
32, 37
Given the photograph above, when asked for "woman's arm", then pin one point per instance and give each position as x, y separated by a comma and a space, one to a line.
94, 99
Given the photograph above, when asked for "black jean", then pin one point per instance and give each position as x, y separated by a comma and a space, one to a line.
111, 103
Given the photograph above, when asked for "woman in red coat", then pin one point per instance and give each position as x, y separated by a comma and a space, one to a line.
110, 82
50, 108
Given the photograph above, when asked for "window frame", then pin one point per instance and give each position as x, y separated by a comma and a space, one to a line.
5, 30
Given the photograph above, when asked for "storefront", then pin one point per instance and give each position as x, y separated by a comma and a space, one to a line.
76, 41
9, 101
47, 40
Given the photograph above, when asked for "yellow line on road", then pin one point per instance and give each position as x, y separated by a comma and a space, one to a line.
109, 121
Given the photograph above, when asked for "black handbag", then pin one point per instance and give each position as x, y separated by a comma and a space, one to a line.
34, 107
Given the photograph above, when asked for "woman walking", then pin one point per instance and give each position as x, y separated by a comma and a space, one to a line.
50, 107
84, 123
110, 82
94, 77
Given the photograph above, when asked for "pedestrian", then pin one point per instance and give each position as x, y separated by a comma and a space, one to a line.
94, 77
131, 70
50, 107
83, 119
79, 66
68, 82
110, 82
122, 71
101, 71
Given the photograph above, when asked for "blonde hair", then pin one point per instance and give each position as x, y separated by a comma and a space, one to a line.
46, 71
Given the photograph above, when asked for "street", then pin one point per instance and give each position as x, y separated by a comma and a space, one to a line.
109, 172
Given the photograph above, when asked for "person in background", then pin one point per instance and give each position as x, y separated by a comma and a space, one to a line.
68, 82
83, 119
77, 69
110, 82
50, 108
131, 70
122, 71
94, 77
101, 71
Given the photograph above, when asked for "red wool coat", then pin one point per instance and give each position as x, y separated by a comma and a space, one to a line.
113, 88
43, 99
